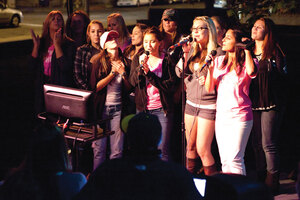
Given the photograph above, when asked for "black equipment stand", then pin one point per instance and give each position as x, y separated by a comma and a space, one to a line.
78, 131
183, 148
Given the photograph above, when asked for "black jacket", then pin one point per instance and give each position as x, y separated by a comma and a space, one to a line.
61, 71
165, 84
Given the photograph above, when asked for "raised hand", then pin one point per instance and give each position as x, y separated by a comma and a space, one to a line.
57, 39
36, 43
35, 38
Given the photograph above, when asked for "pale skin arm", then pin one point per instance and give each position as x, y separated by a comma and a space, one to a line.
57, 40
186, 49
105, 81
250, 67
36, 44
210, 82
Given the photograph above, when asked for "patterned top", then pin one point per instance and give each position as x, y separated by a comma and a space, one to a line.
82, 65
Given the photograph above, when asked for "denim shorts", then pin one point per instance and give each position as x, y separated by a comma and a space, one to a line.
209, 114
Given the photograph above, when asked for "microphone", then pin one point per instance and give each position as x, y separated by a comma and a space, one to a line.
145, 58
142, 62
182, 42
207, 62
248, 44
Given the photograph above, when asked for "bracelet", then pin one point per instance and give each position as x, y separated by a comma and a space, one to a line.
114, 73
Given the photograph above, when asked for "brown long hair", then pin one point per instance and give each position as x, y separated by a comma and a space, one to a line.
239, 52
129, 51
269, 44
88, 39
86, 20
46, 32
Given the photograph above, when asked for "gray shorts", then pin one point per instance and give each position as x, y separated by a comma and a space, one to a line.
200, 112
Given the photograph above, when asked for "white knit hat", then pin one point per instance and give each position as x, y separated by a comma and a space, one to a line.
105, 35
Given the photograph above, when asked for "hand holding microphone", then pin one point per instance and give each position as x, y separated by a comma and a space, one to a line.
246, 44
144, 66
183, 41
209, 59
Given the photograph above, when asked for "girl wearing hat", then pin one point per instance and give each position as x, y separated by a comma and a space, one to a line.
109, 81
169, 28
153, 78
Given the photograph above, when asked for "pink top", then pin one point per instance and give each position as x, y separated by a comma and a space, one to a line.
153, 97
47, 61
233, 92
125, 44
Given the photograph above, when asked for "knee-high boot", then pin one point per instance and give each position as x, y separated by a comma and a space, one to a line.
210, 170
272, 181
193, 165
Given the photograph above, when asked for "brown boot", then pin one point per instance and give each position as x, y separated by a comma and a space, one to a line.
210, 170
272, 181
193, 165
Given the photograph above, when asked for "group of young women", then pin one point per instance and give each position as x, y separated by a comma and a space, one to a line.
225, 93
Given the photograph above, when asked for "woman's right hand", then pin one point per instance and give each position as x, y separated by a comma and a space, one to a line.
186, 47
35, 39
36, 43
210, 58
114, 68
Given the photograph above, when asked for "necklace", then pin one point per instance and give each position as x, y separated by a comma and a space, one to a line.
258, 56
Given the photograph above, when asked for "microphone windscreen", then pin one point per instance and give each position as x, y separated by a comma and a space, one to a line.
213, 52
147, 53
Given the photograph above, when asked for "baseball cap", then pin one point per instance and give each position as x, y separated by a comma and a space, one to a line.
105, 35
170, 14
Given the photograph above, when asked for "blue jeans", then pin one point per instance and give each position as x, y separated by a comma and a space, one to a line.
266, 127
166, 125
116, 139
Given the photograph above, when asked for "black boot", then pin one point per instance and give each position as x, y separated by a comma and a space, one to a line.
272, 181
261, 176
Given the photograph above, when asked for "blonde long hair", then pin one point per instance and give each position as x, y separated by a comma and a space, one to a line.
124, 35
199, 55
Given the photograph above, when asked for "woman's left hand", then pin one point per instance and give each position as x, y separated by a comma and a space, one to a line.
145, 68
119, 66
201, 80
57, 39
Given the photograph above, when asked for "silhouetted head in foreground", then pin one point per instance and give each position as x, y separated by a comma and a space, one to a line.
144, 134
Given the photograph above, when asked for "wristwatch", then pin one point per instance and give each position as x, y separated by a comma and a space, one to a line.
114, 73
